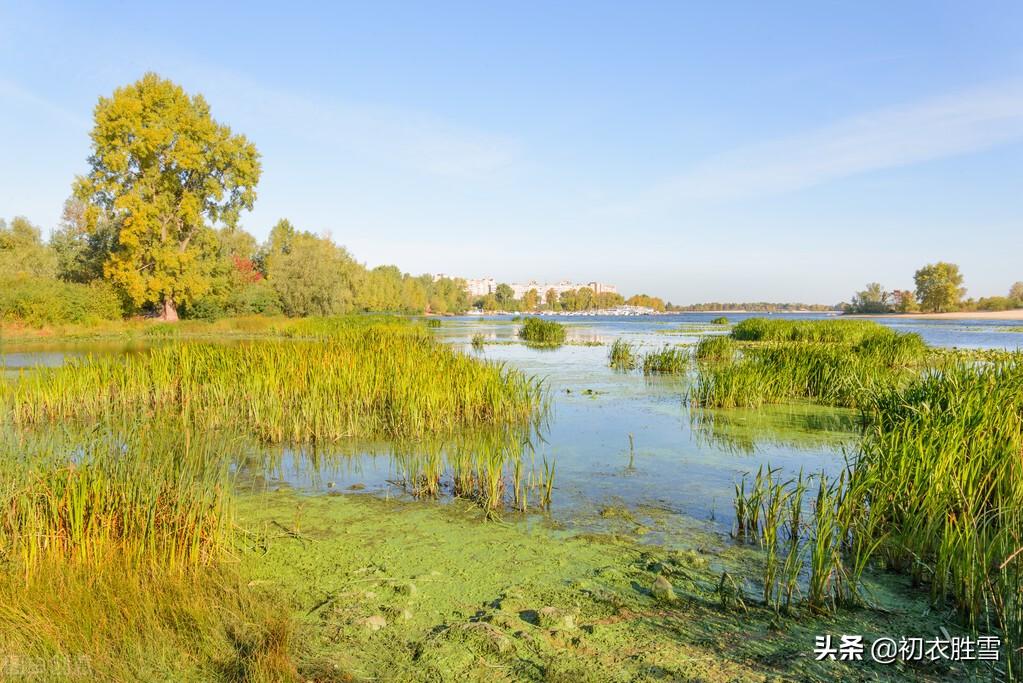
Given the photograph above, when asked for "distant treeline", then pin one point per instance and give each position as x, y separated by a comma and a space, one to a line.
759, 306
939, 289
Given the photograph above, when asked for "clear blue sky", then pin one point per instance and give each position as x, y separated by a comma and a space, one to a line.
700, 151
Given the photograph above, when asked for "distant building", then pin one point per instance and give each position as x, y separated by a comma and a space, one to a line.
482, 286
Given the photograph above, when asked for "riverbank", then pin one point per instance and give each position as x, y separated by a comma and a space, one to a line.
1015, 314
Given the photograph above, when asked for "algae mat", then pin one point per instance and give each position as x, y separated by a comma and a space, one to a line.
396, 591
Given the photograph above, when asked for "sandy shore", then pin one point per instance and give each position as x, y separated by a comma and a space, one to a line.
1015, 314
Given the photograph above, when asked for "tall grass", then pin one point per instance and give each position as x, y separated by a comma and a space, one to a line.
535, 330
836, 374
941, 469
669, 360
364, 380
150, 494
622, 355
716, 348
786, 330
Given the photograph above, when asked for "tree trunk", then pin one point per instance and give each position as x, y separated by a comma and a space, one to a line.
170, 311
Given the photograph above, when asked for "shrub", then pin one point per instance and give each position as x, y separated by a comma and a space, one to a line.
43, 301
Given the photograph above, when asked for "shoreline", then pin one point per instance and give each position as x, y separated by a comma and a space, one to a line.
1014, 314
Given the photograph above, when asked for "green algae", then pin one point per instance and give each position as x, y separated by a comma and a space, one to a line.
396, 591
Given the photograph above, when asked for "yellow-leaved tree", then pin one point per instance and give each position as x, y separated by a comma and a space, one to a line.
166, 172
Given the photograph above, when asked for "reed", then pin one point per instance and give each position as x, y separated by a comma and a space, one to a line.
830, 373
622, 355
149, 494
716, 348
940, 469
829, 331
542, 332
670, 360
719, 321
477, 342
356, 380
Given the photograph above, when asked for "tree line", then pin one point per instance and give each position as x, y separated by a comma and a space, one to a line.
938, 289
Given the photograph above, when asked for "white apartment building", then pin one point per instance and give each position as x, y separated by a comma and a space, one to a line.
487, 285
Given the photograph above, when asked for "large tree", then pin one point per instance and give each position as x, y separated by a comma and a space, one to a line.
873, 299
22, 251
166, 172
939, 286
1016, 292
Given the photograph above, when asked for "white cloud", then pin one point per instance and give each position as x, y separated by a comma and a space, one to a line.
960, 123
391, 136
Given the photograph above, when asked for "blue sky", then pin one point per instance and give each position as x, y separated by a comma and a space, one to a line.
699, 151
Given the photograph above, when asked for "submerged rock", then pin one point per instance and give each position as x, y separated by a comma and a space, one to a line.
663, 590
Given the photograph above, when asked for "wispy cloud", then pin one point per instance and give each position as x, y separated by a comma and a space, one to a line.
12, 92
392, 136
960, 123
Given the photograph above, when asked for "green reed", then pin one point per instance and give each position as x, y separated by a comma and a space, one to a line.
478, 341
786, 330
148, 494
716, 348
623, 355
836, 374
365, 380
669, 360
719, 321
542, 332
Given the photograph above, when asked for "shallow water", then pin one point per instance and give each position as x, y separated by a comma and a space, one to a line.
681, 462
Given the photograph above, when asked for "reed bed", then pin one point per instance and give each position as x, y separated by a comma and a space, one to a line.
669, 360
495, 468
941, 475
145, 494
935, 491
716, 348
827, 331
364, 380
835, 374
541, 332
622, 355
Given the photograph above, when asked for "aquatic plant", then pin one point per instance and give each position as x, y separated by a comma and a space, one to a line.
836, 374
538, 331
358, 380
719, 321
151, 494
716, 348
477, 342
788, 330
669, 360
622, 355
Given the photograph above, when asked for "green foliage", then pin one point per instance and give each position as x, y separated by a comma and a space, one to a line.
778, 329
311, 275
42, 301
22, 252
163, 169
834, 372
719, 321
716, 348
873, 299
542, 332
939, 287
1016, 293
646, 301
670, 360
622, 355
339, 378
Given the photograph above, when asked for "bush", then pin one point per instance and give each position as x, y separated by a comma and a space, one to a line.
40, 301
537, 331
